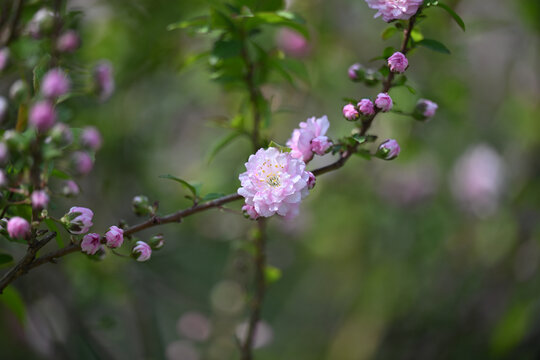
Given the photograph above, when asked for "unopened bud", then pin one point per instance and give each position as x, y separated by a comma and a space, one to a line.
141, 205
156, 242
388, 150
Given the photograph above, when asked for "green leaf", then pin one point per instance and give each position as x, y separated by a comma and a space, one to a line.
39, 71
389, 32
389, 51
193, 188
5, 259
364, 138
434, 45
416, 35
222, 143
51, 225
272, 274
452, 13
212, 196
279, 147
364, 153
13, 301
411, 89
60, 174
225, 49
280, 18
199, 24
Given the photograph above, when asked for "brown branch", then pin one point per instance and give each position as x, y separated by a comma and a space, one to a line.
260, 289
22, 266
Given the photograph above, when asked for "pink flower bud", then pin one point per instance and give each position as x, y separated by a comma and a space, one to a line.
61, 134
355, 72
40, 199
366, 107
350, 113
104, 80
55, 83
91, 243
384, 102
68, 41
156, 242
311, 181
83, 162
292, 43
398, 62
115, 237
18, 228
250, 212
42, 116
78, 220
388, 150
4, 58
426, 108
320, 144
70, 188
91, 138
142, 251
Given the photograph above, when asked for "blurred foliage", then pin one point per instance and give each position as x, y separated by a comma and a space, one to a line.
383, 263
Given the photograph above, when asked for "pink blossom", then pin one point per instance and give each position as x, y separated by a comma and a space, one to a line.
42, 116
389, 149
104, 79
250, 212
40, 199
395, 9
55, 83
275, 183
350, 113
18, 228
115, 237
91, 243
384, 102
427, 108
142, 251
91, 138
398, 62
68, 41
78, 220
302, 141
292, 43
83, 162
366, 107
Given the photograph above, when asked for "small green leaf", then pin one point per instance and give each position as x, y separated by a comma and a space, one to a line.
434, 45
389, 32
60, 174
364, 138
51, 225
411, 89
279, 147
13, 301
199, 24
416, 35
272, 274
5, 259
193, 188
452, 13
389, 51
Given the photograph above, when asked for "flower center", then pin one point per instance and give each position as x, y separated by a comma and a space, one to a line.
273, 180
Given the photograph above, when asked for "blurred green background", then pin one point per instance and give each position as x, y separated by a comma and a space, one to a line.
432, 256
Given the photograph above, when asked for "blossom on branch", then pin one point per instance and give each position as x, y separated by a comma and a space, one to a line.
310, 138
395, 9
275, 183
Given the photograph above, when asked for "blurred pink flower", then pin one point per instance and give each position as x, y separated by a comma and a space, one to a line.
194, 326
310, 138
104, 80
395, 9
292, 43
274, 183
68, 41
55, 83
18, 228
477, 179
83, 162
91, 138
42, 116
427, 108
40, 199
